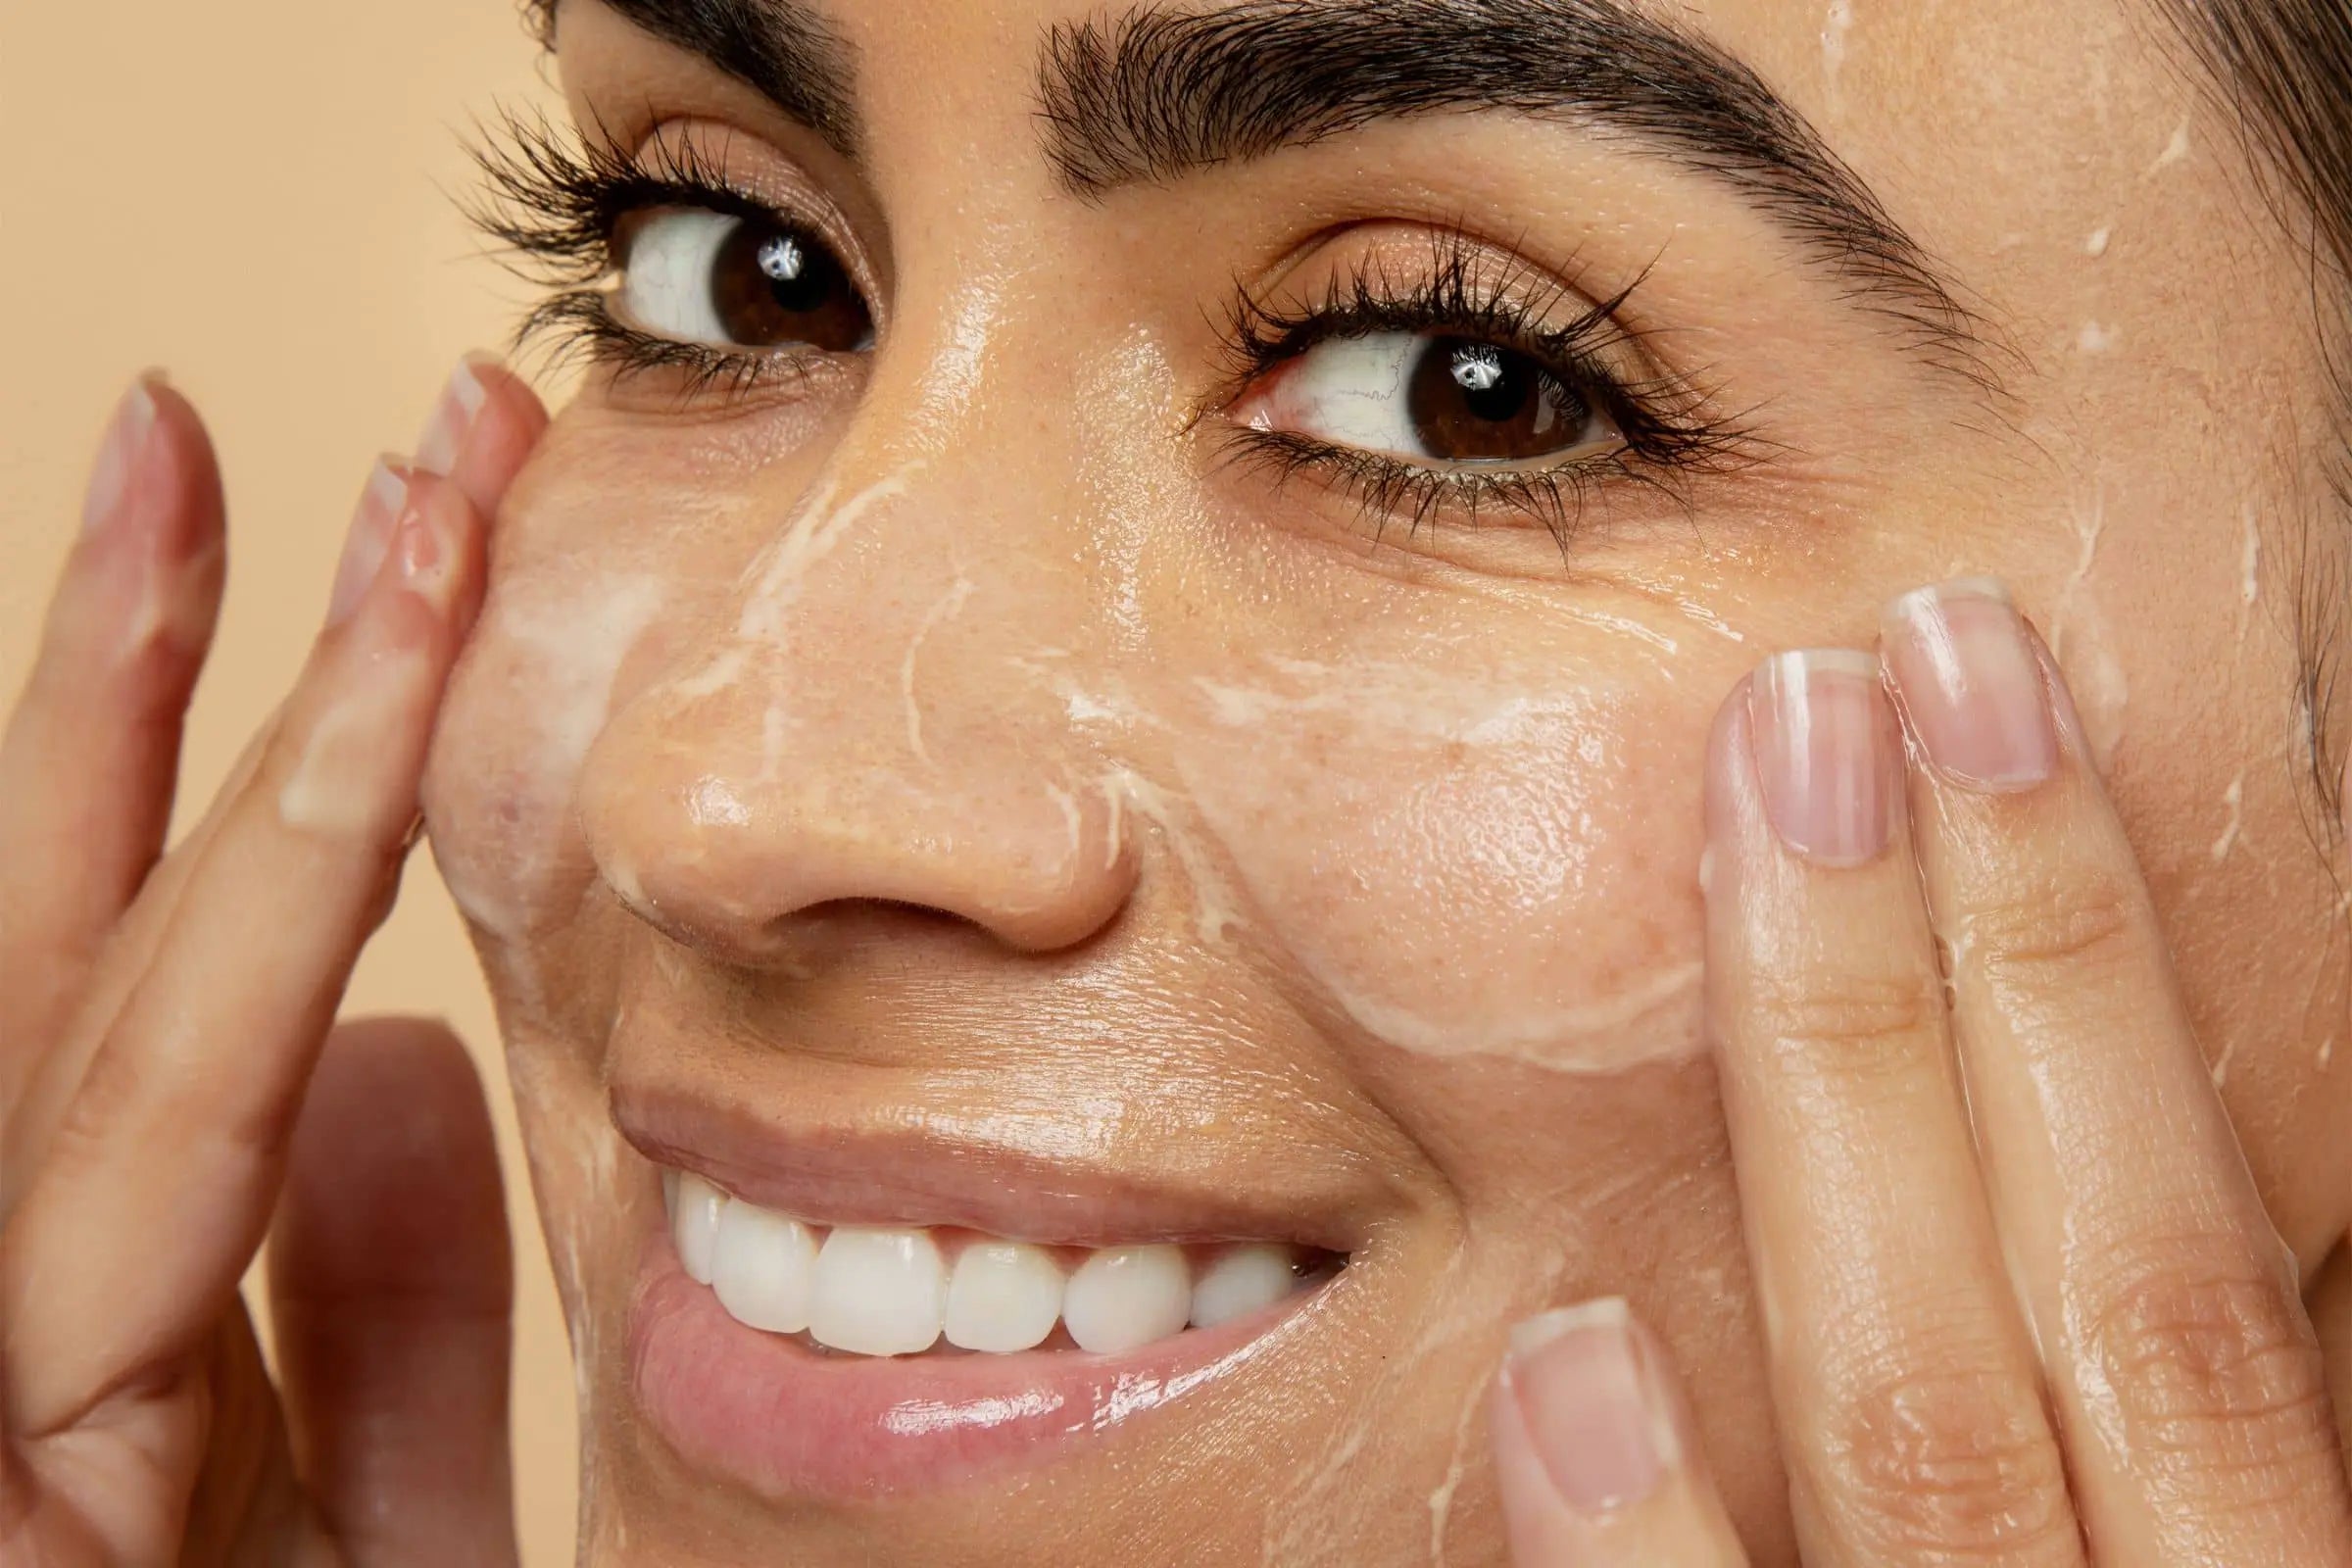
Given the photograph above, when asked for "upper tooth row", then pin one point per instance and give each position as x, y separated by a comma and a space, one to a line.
888, 1289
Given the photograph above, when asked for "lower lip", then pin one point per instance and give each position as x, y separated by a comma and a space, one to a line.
787, 1422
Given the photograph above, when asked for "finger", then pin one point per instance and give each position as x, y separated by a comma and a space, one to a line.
87, 765
481, 430
507, 418
179, 1129
2186, 1375
1595, 1449
1904, 1388
2330, 1298
391, 1286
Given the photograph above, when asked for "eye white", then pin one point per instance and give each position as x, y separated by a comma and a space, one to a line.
666, 288
1351, 390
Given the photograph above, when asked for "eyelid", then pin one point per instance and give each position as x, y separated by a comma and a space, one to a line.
747, 177
1671, 426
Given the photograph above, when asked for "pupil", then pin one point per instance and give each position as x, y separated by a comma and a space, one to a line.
772, 286
780, 258
1473, 402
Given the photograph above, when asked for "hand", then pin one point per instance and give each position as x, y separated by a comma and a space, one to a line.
161, 1020
2040, 1321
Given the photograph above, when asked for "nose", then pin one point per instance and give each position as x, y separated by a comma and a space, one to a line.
870, 718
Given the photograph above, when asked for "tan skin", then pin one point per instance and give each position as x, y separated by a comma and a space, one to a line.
1483, 1049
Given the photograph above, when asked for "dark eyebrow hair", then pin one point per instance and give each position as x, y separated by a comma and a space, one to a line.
1154, 94
788, 51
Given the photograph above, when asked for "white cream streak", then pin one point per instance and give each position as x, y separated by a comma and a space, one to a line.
1671, 997
950, 604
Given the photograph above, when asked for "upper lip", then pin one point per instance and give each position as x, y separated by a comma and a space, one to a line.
830, 1151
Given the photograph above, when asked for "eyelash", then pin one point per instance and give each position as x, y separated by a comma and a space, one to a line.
1671, 429
556, 202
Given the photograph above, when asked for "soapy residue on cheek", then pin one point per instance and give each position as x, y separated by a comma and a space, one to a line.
2078, 642
539, 692
2234, 800
1401, 836
1431, 853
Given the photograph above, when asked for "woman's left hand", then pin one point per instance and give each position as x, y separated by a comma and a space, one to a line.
2020, 1296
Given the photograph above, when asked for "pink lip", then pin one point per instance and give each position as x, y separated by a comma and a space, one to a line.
787, 1422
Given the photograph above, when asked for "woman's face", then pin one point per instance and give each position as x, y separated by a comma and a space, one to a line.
1188, 729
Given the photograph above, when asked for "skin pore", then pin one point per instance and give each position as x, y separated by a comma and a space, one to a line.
957, 742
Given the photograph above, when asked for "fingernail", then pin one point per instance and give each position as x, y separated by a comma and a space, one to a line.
1825, 753
1971, 685
1599, 1422
118, 454
371, 535
444, 433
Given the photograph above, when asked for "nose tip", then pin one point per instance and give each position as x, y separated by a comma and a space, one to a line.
724, 850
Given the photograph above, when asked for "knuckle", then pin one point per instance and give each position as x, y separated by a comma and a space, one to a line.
1959, 1466
2213, 1372
2090, 920
1860, 1025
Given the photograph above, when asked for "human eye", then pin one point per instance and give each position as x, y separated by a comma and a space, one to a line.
659, 263
725, 280
1455, 381
1435, 398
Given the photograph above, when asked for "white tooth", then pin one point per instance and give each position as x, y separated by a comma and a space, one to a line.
1242, 1280
1123, 1297
697, 1224
879, 1291
1004, 1295
762, 1266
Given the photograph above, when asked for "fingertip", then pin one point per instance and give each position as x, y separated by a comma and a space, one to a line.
507, 426
1597, 1457
183, 466
434, 558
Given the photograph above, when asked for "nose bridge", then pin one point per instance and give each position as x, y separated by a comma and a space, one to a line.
865, 721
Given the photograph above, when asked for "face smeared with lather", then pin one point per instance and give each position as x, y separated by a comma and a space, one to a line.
972, 739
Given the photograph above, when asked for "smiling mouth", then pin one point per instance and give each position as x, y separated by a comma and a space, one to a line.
842, 1298
904, 1291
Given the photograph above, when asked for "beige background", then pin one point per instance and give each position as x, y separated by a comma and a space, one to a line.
254, 195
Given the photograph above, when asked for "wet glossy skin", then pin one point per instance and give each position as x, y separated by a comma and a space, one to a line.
953, 743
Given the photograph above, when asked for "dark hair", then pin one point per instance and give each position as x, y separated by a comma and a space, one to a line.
2284, 66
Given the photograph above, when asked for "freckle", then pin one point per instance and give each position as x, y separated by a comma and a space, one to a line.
2097, 245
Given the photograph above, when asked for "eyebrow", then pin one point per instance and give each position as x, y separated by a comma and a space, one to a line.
1155, 94
785, 50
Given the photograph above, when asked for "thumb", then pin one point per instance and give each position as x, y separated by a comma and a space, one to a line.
1595, 1452
391, 1285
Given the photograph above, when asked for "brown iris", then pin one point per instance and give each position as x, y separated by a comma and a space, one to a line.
772, 285
1476, 401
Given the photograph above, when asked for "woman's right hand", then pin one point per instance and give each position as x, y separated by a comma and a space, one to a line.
167, 1083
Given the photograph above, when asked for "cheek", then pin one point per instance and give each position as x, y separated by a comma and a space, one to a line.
533, 692
1478, 869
